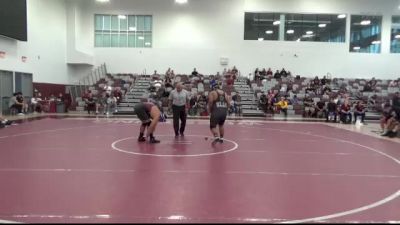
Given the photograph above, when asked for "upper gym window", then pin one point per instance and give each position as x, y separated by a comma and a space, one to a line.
395, 40
365, 34
120, 31
295, 27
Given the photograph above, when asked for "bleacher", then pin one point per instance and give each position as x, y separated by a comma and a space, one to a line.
136, 88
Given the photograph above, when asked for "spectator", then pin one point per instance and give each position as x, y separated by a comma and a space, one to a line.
396, 104
90, 102
202, 104
237, 104
320, 111
392, 125
359, 110
17, 102
283, 105
257, 77
370, 85
345, 114
118, 95
235, 70
195, 73
193, 105
35, 101
316, 82
295, 100
386, 115
262, 102
331, 110
277, 75
283, 73
111, 104
270, 73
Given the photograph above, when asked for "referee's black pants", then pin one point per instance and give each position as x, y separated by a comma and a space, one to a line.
179, 112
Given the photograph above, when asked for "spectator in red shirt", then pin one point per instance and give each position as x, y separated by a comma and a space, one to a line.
345, 114
359, 110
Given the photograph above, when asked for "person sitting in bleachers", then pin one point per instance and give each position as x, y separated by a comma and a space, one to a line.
394, 83
195, 73
370, 85
193, 105
101, 103
17, 102
90, 102
283, 73
391, 126
332, 110
295, 100
320, 110
237, 103
359, 110
309, 106
257, 77
277, 75
269, 73
283, 105
345, 112
396, 104
271, 100
35, 103
118, 95
235, 70
202, 104
111, 104
262, 102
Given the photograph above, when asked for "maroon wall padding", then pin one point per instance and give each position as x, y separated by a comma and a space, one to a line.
46, 89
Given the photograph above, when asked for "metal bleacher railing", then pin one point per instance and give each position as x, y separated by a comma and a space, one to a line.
76, 90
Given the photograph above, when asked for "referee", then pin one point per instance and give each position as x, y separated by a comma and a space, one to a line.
179, 101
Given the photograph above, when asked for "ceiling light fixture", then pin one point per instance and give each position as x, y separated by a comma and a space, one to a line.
290, 31
356, 48
122, 17
341, 16
376, 42
365, 22
322, 25
269, 32
309, 32
397, 36
260, 39
277, 22
181, 1
102, 0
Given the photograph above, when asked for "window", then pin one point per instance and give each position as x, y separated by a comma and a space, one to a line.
261, 26
121, 31
315, 27
365, 34
295, 27
395, 40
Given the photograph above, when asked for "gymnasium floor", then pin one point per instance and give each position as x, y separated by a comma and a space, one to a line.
72, 169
